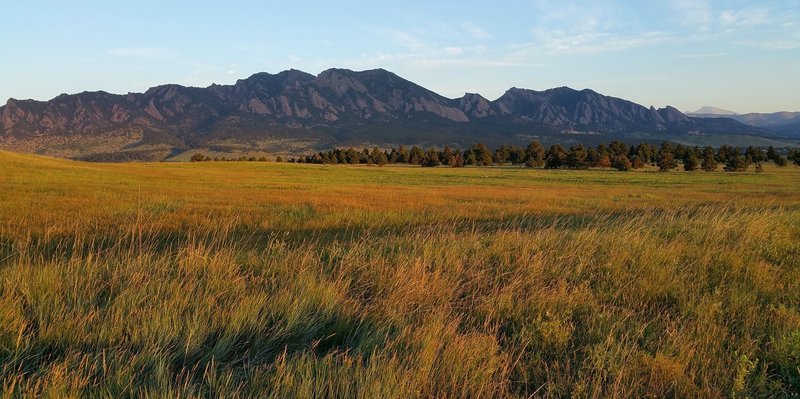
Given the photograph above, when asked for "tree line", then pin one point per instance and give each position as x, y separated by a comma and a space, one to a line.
616, 154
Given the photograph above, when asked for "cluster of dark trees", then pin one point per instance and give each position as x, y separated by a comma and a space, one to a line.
616, 154
198, 157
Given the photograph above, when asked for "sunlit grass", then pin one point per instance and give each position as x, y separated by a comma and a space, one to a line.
276, 280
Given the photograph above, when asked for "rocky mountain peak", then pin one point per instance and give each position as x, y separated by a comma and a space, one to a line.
337, 103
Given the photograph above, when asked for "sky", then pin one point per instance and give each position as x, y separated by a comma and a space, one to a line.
742, 56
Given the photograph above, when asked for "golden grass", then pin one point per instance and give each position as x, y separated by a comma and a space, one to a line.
275, 280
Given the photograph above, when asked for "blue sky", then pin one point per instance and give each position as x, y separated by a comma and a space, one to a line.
738, 55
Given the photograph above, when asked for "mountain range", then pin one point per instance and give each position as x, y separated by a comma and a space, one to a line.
785, 123
295, 112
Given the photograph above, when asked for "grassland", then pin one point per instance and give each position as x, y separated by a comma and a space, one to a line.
284, 280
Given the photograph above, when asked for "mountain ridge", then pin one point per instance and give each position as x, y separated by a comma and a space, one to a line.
782, 122
295, 110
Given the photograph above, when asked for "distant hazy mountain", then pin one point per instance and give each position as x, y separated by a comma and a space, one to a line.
783, 123
293, 111
708, 111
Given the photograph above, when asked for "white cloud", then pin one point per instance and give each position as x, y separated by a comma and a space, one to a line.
777, 45
453, 50
475, 31
745, 17
705, 55
405, 39
594, 42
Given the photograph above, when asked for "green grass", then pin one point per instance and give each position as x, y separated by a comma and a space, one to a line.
283, 280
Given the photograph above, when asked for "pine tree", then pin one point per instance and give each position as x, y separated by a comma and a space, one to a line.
736, 162
554, 157
667, 161
517, 155
690, 161
431, 158
576, 158
709, 160
637, 162
416, 156
402, 155
447, 157
378, 157
483, 155
771, 153
621, 162
501, 155
794, 156
534, 155
755, 154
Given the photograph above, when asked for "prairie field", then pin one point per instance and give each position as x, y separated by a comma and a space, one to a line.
249, 279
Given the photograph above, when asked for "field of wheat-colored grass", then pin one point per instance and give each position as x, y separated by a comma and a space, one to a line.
286, 280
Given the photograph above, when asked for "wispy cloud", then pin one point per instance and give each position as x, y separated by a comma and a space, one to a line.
595, 42
706, 55
745, 17
143, 52
475, 31
776, 45
694, 12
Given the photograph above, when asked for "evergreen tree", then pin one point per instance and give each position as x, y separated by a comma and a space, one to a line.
637, 162
781, 162
667, 147
592, 157
483, 155
618, 148
458, 159
501, 155
364, 156
667, 162
431, 158
576, 157
724, 153
771, 153
736, 162
378, 157
794, 156
602, 150
534, 155
709, 160
690, 161
621, 162
554, 157
517, 155
680, 151
352, 156
755, 154
416, 156
447, 156
469, 158
402, 154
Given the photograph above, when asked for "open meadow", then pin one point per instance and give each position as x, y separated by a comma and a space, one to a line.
249, 279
